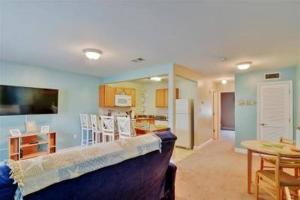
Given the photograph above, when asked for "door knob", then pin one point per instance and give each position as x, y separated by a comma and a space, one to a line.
262, 124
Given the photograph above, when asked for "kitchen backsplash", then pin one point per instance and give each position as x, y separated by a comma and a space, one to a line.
120, 110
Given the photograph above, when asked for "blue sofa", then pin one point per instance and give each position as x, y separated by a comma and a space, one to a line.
148, 177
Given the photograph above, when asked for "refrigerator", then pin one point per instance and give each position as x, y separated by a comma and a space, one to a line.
184, 123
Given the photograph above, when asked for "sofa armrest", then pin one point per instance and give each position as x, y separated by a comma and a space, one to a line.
8, 192
7, 188
170, 182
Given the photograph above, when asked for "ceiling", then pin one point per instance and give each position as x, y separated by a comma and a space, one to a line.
195, 34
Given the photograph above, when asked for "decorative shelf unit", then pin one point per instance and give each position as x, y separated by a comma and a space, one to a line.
31, 145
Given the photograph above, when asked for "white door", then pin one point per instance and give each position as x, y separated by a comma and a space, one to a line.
275, 111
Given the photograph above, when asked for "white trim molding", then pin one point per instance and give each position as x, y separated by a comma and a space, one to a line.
240, 150
203, 144
243, 151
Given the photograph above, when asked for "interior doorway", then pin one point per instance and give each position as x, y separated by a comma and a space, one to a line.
227, 111
224, 111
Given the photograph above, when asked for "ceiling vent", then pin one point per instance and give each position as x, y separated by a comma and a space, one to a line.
272, 76
138, 60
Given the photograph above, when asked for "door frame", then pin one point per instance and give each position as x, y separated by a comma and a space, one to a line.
216, 114
220, 112
290, 83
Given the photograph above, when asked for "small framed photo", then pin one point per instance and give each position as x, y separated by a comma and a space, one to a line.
15, 132
45, 129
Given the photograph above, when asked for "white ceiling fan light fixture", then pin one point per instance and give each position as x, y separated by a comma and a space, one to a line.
155, 78
92, 54
244, 65
224, 82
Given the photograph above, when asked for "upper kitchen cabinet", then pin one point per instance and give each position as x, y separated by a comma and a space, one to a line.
161, 97
107, 96
131, 92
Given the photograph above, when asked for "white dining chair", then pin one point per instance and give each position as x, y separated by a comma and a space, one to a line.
108, 128
45, 129
96, 132
124, 127
86, 130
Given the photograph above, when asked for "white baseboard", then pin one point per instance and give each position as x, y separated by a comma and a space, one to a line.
203, 144
240, 150
244, 151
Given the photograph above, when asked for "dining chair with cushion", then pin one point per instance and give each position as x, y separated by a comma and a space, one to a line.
273, 181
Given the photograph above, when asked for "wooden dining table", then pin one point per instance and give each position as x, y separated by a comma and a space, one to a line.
264, 148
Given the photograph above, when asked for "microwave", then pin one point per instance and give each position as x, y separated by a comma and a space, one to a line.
123, 100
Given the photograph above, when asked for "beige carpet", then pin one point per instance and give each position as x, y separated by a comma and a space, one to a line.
180, 154
214, 172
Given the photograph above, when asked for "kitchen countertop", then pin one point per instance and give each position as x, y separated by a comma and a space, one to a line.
156, 117
157, 128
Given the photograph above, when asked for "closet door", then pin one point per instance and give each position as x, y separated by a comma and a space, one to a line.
275, 110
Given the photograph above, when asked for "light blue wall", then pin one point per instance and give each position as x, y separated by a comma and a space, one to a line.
157, 70
246, 89
77, 94
298, 95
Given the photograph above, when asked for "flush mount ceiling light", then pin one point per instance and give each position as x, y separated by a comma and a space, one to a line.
92, 54
244, 65
224, 82
155, 78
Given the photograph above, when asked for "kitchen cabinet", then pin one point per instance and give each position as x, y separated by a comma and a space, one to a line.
161, 97
131, 92
107, 96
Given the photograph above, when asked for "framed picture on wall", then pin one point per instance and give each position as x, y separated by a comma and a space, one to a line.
15, 132
45, 129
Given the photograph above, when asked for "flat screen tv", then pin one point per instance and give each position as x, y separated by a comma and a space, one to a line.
15, 100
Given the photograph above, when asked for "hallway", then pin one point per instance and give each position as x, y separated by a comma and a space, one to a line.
214, 172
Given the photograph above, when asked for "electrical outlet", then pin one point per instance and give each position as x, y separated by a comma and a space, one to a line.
75, 136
